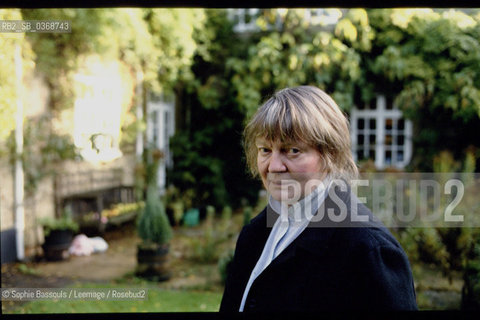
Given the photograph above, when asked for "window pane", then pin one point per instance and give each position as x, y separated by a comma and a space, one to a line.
248, 17
361, 139
400, 156
155, 127
361, 124
388, 139
360, 155
401, 124
372, 124
388, 124
388, 157
372, 138
236, 17
401, 140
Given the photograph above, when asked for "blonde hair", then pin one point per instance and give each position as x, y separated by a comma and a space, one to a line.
305, 114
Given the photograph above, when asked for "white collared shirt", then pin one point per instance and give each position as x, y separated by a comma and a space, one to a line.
290, 224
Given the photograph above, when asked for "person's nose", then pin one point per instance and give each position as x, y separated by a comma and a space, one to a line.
276, 163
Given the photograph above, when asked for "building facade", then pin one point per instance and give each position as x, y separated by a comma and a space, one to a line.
105, 174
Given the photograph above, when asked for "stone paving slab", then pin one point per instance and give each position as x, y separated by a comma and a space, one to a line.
119, 259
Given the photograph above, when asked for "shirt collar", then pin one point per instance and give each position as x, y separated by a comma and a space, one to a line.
297, 211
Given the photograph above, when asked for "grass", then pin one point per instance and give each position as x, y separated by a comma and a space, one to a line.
23, 268
433, 293
434, 290
158, 300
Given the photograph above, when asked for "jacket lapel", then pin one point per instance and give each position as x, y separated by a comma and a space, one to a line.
315, 238
257, 234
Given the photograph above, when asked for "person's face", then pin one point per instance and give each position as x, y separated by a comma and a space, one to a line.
289, 171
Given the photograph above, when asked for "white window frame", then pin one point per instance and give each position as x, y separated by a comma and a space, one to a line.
158, 126
381, 114
243, 26
312, 16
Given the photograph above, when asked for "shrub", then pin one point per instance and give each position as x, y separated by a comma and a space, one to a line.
224, 263
247, 215
65, 222
206, 248
471, 275
153, 224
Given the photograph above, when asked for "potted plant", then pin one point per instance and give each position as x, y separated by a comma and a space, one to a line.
155, 231
58, 234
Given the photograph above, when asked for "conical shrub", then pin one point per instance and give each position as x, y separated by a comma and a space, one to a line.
153, 224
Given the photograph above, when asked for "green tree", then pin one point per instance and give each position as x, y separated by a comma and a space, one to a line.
293, 54
208, 160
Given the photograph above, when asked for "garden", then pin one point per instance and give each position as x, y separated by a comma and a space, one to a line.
196, 265
196, 286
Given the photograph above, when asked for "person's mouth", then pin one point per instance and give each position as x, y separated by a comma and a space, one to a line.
280, 182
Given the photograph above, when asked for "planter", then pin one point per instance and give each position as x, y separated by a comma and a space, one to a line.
192, 217
120, 219
152, 262
56, 245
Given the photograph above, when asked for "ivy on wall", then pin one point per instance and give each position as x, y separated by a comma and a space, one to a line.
150, 41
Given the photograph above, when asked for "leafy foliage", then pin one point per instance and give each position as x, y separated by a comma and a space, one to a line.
8, 79
426, 60
211, 118
451, 249
57, 54
471, 276
50, 224
65, 222
207, 248
153, 224
293, 55
224, 263
42, 150
436, 59
148, 40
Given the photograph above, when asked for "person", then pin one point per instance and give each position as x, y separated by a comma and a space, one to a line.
315, 246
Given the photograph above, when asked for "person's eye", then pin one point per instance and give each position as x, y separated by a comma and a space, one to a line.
263, 150
294, 150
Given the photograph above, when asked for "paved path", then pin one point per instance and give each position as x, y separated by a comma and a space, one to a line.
119, 259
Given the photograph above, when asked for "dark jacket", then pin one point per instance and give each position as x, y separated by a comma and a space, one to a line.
328, 267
